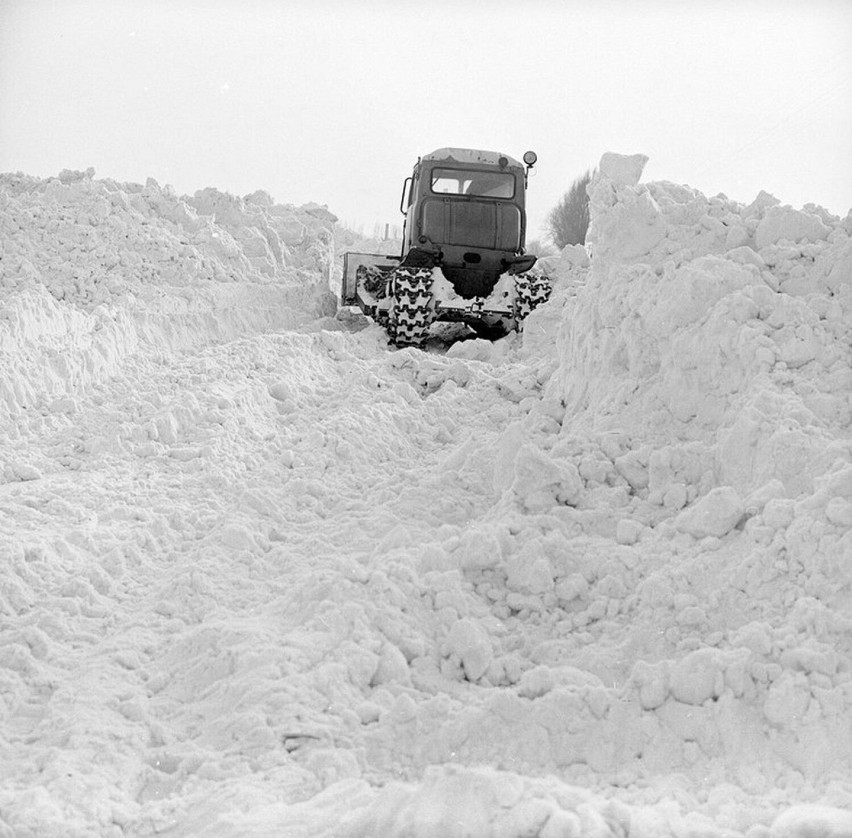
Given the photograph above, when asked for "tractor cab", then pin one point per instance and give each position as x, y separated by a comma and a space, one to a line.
462, 257
465, 211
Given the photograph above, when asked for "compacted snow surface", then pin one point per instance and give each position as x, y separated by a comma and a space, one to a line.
263, 575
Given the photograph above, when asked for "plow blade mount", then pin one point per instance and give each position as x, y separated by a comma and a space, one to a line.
364, 279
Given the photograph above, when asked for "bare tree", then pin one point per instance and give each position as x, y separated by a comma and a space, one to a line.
568, 221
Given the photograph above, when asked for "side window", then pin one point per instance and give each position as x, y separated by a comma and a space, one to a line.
414, 185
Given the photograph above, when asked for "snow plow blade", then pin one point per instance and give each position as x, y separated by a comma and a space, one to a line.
365, 279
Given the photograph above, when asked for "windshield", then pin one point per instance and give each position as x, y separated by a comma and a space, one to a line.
485, 184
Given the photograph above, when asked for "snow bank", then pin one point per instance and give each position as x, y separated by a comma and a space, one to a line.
670, 555
93, 271
739, 352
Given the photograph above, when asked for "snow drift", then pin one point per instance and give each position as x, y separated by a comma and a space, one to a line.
91, 268
264, 575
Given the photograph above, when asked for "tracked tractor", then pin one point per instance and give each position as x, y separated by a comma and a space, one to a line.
463, 255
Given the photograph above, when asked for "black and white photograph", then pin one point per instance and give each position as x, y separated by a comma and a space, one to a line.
425, 419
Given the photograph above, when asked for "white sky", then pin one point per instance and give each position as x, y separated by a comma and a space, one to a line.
317, 100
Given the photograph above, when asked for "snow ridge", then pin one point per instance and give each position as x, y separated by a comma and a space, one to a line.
94, 271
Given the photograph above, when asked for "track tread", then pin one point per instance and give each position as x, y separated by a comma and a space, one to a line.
411, 314
531, 290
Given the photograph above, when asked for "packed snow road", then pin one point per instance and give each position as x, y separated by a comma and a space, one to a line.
263, 575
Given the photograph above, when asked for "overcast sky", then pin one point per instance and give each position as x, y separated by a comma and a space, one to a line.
333, 100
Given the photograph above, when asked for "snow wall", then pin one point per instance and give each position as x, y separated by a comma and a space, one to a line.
93, 271
671, 552
693, 440
698, 386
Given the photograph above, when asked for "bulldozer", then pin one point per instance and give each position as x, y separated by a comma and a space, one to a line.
463, 257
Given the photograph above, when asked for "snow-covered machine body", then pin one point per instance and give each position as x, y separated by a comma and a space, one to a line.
463, 255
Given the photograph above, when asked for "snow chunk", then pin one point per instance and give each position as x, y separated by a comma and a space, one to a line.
281, 391
778, 513
716, 514
697, 677
478, 549
626, 221
237, 537
574, 255
536, 682
839, 512
628, 531
392, 667
760, 204
471, 643
542, 481
652, 682
812, 821
786, 223
529, 572
23, 472
623, 169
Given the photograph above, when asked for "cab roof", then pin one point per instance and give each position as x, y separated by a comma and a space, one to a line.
472, 155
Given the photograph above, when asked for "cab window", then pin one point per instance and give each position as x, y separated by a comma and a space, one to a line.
477, 183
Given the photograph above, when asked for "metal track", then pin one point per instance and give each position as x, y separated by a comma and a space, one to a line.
531, 290
411, 313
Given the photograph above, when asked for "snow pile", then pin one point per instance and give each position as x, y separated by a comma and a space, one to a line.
670, 560
703, 321
730, 335
92, 270
263, 575
270, 236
